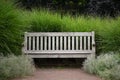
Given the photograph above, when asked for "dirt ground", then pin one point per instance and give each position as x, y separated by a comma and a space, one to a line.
60, 74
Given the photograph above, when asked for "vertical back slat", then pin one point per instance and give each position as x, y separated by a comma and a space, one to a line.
29, 42
45, 42
93, 43
64, 42
41, 41
73, 43
84, 42
69, 43
61, 42
88, 42
25, 42
57, 45
76, 42
37, 42
53, 42
49, 41
33, 40
81, 44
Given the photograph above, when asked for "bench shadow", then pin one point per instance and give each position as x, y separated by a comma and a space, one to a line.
59, 62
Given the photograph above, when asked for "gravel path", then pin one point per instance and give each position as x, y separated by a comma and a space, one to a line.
60, 74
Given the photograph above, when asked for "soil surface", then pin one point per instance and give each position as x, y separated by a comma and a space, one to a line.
60, 74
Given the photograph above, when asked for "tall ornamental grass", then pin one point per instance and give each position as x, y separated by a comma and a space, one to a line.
107, 30
42, 21
10, 34
15, 66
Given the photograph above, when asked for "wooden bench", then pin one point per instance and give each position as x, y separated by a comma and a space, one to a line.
59, 44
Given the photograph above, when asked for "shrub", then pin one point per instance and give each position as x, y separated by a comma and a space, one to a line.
103, 66
115, 72
10, 34
15, 66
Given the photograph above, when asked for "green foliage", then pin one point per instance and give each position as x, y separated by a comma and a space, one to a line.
107, 30
15, 66
115, 72
104, 66
42, 21
10, 39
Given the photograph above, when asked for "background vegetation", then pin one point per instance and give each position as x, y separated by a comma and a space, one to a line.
106, 29
10, 31
93, 7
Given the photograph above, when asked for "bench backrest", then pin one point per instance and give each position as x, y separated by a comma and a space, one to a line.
59, 42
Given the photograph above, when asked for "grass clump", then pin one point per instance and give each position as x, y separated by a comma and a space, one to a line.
15, 66
42, 21
10, 31
104, 66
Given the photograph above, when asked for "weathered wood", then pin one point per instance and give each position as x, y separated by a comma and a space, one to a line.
81, 44
59, 51
69, 43
37, 43
59, 34
29, 43
41, 39
57, 43
73, 43
93, 43
76, 42
53, 43
49, 41
85, 43
45, 43
60, 56
88, 42
62, 44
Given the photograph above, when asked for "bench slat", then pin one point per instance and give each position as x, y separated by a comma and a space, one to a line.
45, 43
59, 51
33, 43
81, 42
73, 43
61, 43
85, 43
49, 41
59, 34
88, 42
57, 43
68, 43
53, 43
64, 43
37, 43
29, 43
41, 42
76, 42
